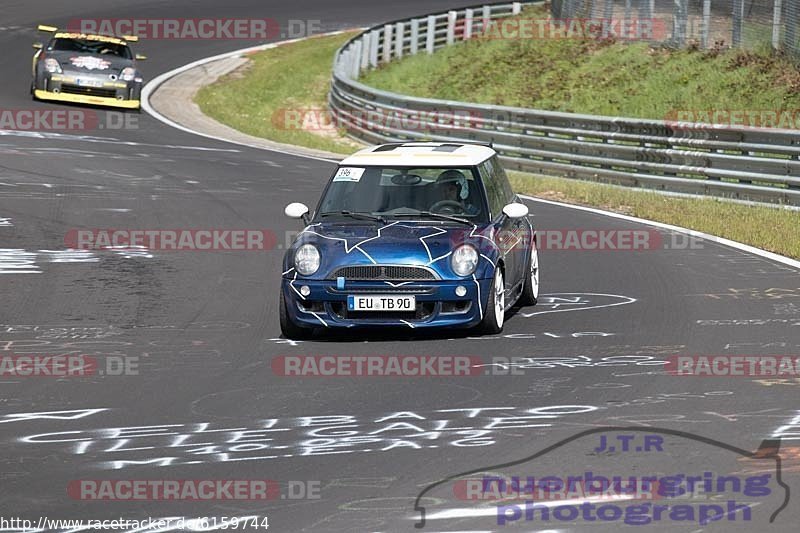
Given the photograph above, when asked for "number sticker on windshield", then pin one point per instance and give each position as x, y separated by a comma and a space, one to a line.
349, 174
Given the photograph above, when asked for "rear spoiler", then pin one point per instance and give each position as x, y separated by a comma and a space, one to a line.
129, 38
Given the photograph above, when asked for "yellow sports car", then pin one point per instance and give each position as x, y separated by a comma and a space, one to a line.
87, 69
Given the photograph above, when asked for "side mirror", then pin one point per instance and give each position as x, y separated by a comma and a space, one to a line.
516, 210
297, 210
38, 46
140, 57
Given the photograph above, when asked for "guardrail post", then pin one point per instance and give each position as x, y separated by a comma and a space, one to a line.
594, 10
431, 34
706, 23
790, 36
628, 15
387, 43
516, 8
365, 48
343, 65
486, 17
565, 10
373, 48
469, 16
738, 19
358, 55
399, 39
608, 10
414, 47
679, 20
644, 10
451, 27
338, 61
776, 24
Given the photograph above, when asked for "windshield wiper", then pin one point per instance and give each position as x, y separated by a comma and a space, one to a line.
435, 215
354, 214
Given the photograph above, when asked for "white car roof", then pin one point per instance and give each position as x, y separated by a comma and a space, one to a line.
421, 154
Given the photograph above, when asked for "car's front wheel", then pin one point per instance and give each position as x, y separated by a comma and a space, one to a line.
530, 288
289, 329
494, 315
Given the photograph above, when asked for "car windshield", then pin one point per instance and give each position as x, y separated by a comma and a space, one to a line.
86, 46
405, 192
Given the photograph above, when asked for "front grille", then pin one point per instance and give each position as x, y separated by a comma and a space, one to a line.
388, 289
384, 273
90, 91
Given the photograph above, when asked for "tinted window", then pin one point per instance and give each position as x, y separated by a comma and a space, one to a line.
86, 46
494, 190
502, 180
389, 191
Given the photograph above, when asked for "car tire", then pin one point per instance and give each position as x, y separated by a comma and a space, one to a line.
494, 315
289, 329
530, 287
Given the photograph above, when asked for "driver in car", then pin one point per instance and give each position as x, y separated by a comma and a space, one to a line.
454, 193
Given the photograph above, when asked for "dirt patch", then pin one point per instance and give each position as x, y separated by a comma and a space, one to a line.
556, 196
241, 71
323, 125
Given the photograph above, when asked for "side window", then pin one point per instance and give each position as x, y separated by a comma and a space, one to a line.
502, 182
494, 191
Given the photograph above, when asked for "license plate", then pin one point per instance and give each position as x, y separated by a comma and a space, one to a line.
89, 83
381, 303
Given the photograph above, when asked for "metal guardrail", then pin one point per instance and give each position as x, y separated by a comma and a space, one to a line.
757, 164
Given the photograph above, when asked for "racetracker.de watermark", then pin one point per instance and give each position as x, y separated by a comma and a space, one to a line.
586, 240
65, 120
66, 365
553, 488
172, 239
788, 119
314, 119
192, 489
413, 366
198, 28
634, 29
780, 366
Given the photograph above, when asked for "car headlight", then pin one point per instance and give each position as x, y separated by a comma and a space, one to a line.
464, 260
306, 259
52, 66
127, 74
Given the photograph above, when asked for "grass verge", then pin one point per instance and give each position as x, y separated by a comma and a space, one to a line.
769, 228
248, 100
277, 92
600, 77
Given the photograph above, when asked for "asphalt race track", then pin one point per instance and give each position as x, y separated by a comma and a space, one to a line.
202, 328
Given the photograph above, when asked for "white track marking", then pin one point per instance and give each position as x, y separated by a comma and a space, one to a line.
699, 234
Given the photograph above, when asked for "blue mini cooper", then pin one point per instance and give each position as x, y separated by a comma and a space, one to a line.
417, 235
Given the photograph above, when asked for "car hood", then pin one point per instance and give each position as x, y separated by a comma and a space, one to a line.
90, 63
428, 244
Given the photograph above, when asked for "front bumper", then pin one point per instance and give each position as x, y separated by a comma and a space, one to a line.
86, 99
437, 304
67, 88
